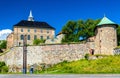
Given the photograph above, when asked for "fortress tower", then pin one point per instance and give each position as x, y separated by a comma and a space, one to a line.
106, 37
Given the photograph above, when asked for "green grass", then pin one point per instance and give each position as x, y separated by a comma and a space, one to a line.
106, 65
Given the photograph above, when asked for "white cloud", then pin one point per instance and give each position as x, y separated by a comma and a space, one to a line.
4, 33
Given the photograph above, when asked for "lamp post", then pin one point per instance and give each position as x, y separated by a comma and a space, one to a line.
24, 54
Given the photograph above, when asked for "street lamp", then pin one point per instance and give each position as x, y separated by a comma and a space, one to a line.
24, 54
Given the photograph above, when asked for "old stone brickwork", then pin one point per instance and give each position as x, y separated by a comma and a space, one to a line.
48, 54
106, 40
106, 37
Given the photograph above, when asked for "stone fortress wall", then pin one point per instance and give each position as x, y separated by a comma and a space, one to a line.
48, 54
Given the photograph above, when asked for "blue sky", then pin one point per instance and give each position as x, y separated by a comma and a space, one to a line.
57, 12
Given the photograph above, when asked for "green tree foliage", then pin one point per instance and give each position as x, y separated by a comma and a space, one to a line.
118, 35
3, 44
38, 41
3, 67
76, 29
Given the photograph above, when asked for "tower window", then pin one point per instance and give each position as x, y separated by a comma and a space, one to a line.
101, 30
100, 41
21, 37
113, 39
28, 37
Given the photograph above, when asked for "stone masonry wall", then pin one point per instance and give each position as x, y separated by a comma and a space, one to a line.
48, 54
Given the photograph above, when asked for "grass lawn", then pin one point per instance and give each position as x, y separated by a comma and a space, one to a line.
106, 65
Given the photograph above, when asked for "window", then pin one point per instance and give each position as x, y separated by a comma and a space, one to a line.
114, 40
28, 37
41, 31
41, 37
47, 37
35, 37
21, 30
21, 37
35, 30
47, 31
28, 30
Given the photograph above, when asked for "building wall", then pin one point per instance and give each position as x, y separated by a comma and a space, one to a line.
31, 31
56, 40
106, 39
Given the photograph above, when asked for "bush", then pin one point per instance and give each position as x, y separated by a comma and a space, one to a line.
38, 41
3, 67
86, 56
3, 44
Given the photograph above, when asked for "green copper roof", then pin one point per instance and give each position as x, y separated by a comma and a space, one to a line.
105, 20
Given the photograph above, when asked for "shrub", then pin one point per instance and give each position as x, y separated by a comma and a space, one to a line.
86, 56
38, 41
3, 67
3, 44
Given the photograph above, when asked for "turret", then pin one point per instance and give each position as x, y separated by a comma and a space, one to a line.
106, 37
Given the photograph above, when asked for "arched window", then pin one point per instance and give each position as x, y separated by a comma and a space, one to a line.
21, 37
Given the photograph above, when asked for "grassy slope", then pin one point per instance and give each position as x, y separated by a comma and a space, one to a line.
110, 64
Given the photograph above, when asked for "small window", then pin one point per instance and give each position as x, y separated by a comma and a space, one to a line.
101, 30
35, 30
41, 30
114, 40
28, 30
100, 41
35, 37
21, 30
28, 37
47, 37
41, 37
47, 31
21, 37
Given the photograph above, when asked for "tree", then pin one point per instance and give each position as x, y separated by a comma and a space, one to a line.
118, 35
3, 44
70, 30
76, 29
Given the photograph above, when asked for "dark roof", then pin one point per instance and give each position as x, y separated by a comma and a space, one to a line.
36, 24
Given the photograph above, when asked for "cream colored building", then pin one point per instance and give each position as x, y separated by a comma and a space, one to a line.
33, 30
